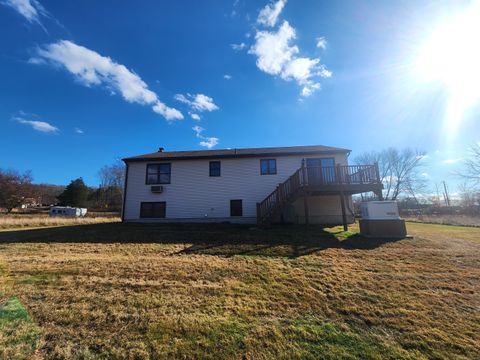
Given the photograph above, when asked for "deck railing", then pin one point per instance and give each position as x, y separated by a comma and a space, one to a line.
341, 175
314, 177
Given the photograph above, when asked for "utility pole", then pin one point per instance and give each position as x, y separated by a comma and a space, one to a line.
447, 199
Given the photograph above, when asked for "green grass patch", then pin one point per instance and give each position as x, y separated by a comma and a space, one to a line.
342, 235
305, 338
200, 337
315, 339
43, 278
19, 335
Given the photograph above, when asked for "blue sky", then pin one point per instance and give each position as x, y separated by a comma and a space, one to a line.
85, 83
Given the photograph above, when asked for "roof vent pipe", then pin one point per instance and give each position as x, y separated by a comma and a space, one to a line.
160, 149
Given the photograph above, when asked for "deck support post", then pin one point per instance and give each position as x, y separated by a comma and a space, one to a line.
305, 208
259, 217
344, 214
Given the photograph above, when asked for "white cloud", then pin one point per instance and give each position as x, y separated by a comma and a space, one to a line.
227, 77
198, 130
29, 9
198, 102
452, 161
425, 174
390, 178
269, 14
167, 112
182, 98
203, 102
195, 116
276, 56
321, 42
41, 126
300, 69
308, 90
91, 68
78, 130
238, 47
273, 50
208, 142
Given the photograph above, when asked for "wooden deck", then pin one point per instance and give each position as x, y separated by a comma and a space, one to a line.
351, 179
316, 181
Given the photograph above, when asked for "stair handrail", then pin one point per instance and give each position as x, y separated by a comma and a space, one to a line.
282, 193
318, 175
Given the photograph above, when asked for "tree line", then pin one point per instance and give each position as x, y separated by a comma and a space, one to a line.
402, 175
17, 189
400, 171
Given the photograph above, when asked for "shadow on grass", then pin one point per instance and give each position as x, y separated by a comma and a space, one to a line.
207, 239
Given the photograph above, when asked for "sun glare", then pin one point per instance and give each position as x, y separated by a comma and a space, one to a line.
451, 55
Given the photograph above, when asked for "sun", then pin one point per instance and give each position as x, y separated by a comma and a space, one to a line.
451, 55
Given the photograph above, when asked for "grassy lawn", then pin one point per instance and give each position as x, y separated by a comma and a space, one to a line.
113, 290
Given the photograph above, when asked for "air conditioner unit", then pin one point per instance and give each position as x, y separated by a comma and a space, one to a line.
156, 189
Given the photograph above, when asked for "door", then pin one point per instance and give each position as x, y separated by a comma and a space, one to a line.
321, 170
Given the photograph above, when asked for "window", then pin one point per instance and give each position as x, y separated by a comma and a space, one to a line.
214, 168
320, 162
236, 208
268, 166
158, 174
152, 209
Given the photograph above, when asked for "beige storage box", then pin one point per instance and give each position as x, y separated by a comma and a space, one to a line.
381, 219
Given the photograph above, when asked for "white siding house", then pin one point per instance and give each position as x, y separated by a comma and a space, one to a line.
189, 193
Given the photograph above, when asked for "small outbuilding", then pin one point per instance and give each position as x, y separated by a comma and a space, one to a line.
381, 219
67, 211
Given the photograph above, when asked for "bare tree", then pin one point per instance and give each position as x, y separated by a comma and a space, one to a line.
471, 168
469, 196
14, 188
112, 175
109, 194
47, 194
399, 171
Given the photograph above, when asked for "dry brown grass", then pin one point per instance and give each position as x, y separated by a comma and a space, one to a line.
458, 220
24, 221
191, 291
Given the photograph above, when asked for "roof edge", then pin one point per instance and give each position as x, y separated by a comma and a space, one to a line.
235, 155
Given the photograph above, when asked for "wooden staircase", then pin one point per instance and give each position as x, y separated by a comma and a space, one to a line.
284, 194
339, 179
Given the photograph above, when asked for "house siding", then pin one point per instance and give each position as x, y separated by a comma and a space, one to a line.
193, 195
322, 210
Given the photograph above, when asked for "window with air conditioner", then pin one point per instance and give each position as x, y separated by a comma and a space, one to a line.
158, 174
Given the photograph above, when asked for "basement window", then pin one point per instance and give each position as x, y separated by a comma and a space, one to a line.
236, 208
153, 209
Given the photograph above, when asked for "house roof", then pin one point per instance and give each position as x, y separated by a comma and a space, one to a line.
237, 153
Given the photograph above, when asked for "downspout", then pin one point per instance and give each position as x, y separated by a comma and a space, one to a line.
125, 191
